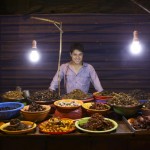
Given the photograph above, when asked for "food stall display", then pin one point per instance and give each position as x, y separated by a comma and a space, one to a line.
79, 95
57, 126
12, 95
70, 113
15, 126
96, 124
44, 96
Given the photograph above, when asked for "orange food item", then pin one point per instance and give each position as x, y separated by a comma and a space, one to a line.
131, 120
1, 123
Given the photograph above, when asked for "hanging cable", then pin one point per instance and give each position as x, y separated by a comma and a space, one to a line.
140, 6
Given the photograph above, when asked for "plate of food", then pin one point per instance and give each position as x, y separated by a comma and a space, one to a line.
15, 126
79, 95
139, 123
57, 125
102, 95
96, 124
96, 107
44, 97
12, 96
68, 103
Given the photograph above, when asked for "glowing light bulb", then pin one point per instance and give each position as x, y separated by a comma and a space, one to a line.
135, 47
34, 55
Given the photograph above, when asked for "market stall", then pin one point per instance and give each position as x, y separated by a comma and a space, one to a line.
40, 134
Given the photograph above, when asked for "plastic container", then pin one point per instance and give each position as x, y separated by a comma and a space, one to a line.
9, 110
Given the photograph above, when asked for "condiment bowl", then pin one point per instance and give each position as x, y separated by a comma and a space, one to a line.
127, 111
68, 104
103, 110
36, 116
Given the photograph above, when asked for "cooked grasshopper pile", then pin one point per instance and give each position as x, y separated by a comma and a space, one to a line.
123, 99
76, 94
97, 123
44, 95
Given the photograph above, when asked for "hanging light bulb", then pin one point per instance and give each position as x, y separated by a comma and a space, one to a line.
34, 56
34, 44
135, 47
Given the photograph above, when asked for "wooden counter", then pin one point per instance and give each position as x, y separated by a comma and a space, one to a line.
121, 139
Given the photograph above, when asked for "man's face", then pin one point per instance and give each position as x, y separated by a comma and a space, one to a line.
77, 56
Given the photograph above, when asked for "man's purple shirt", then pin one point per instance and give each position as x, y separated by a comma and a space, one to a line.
81, 80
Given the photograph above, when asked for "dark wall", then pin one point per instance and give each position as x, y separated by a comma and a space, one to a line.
67, 6
106, 39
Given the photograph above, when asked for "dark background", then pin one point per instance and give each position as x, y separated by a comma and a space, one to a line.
104, 27
106, 39
68, 6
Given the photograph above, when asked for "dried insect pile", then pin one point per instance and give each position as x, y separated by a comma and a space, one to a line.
44, 95
123, 99
97, 123
76, 94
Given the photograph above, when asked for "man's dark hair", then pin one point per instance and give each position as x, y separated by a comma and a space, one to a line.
77, 46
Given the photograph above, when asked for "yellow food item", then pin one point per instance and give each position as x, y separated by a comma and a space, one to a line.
57, 125
13, 95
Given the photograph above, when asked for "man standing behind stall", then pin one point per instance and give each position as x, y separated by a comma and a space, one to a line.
76, 73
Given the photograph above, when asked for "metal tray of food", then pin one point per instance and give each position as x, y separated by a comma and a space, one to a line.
130, 126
